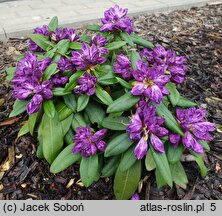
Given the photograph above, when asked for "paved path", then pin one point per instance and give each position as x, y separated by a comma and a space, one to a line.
18, 18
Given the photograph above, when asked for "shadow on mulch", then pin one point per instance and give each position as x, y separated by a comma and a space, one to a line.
195, 33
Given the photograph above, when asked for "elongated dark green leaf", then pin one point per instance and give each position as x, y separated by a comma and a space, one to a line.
10, 73
199, 159
103, 96
65, 159
185, 103
126, 37
62, 48
115, 45
52, 137
174, 154
115, 122
110, 166
118, 145
53, 25
134, 56
125, 183
50, 70
149, 161
170, 121
33, 118
49, 108
108, 77
123, 103
140, 41
18, 107
204, 144
63, 111
60, 92
69, 136
128, 159
89, 170
162, 165
85, 38
82, 102
124, 83
174, 95
95, 112
70, 101
78, 121
40, 40
39, 152
66, 123
159, 179
72, 81
75, 45
24, 130
93, 27
178, 174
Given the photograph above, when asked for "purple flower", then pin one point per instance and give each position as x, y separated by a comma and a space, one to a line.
65, 33
99, 41
145, 125
42, 31
150, 82
135, 196
64, 64
123, 66
195, 127
58, 80
87, 143
86, 84
115, 20
88, 57
71, 34
34, 105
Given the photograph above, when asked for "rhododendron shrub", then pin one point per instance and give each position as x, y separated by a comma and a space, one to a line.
108, 101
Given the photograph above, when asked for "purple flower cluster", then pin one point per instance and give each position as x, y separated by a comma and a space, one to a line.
88, 57
168, 61
100, 42
146, 125
86, 84
87, 143
195, 127
150, 82
26, 82
115, 20
123, 66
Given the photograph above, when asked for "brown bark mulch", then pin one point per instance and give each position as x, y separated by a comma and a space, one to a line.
195, 33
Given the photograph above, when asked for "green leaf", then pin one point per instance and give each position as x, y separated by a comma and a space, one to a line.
118, 145
70, 101
170, 121
174, 154
123, 103
49, 108
78, 121
124, 83
65, 159
159, 179
10, 73
52, 137
39, 152
62, 48
66, 123
18, 107
63, 111
185, 103
82, 102
204, 144
60, 92
89, 170
33, 118
128, 159
115, 45
126, 183
174, 95
40, 40
49, 71
110, 166
140, 41
85, 38
53, 25
103, 96
134, 56
149, 161
93, 27
162, 165
116, 122
95, 112
24, 130
72, 81
75, 45
199, 159
126, 37
178, 174
69, 136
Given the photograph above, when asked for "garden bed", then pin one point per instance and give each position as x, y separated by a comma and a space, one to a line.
195, 33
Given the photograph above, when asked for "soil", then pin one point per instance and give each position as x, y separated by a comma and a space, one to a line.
195, 33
